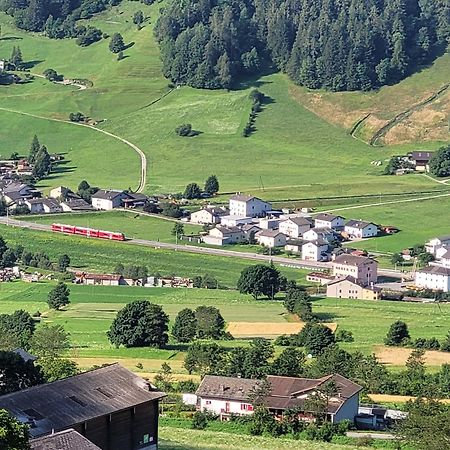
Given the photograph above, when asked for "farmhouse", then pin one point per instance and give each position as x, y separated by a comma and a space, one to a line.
420, 160
209, 216
358, 229
225, 396
64, 440
221, 235
433, 277
108, 200
316, 251
433, 245
348, 287
324, 234
326, 220
248, 206
110, 406
363, 270
98, 279
134, 200
271, 238
294, 227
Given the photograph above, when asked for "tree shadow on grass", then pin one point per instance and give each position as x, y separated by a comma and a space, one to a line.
127, 46
325, 317
30, 64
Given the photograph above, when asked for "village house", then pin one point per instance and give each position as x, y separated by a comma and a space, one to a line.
444, 258
324, 234
319, 277
209, 216
433, 245
17, 193
420, 160
76, 204
235, 221
62, 193
248, 206
358, 229
271, 238
269, 223
98, 279
64, 440
316, 250
294, 246
348, 287
294, 227
221, 235
109, 406
43, 205
134, 200
250, 231
326, 220
436, 278
108, 200
225, 396
364, 270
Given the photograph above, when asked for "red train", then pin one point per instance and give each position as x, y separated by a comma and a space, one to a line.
88, 232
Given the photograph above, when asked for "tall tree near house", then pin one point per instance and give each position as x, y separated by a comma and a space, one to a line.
13, 434
204, 358
260, 280
177, 230
398, 334
63, 262
192, 191
16, 57
59, 296
34, 149
290, 363
440, 162
42, 163
17, 374
19, 325
212, 185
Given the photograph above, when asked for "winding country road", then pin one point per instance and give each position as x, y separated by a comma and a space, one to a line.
143, 174
288, 262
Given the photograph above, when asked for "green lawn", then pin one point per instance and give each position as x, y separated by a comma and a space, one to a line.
103, 256
418, 221
92, 309
131, 224
183, 439
288, 157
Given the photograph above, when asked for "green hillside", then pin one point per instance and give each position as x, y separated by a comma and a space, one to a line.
286, 158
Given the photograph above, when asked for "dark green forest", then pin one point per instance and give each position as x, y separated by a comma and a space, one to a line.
332, 44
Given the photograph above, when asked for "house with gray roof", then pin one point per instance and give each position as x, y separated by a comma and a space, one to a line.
108, 200
318, 250
110, 406
433, 277
64, 440
271, 238
294, 227
359, 229
248, 206
225, 396
327, 220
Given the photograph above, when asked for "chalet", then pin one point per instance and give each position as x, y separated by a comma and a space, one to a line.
358, 229
420, 160
248, 206
209, 216
433, 277
64, 440
294, 227
109, 406
134, 200
326, 220
349, 287
324, 234
271, 238
221, 235
108, 200
363, 270
225, 396
434, 244
316, 250
76, 204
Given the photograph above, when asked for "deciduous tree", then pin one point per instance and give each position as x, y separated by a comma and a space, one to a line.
59, 296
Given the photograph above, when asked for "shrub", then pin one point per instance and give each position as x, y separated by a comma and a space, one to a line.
185, 130
199, 421
344, 336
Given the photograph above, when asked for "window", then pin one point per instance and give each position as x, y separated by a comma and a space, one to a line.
207, 402
246, 407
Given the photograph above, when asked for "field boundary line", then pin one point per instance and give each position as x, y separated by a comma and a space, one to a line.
387, 203
143, 174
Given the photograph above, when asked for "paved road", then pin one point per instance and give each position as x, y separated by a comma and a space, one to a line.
289, 262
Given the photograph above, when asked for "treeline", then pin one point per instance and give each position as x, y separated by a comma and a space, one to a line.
337, 45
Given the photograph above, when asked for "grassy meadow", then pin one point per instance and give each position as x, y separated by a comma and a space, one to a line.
131, 224
103, 256
93, 308
290, 152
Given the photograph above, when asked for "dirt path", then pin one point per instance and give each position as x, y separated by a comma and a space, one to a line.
143, 174
405, 114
